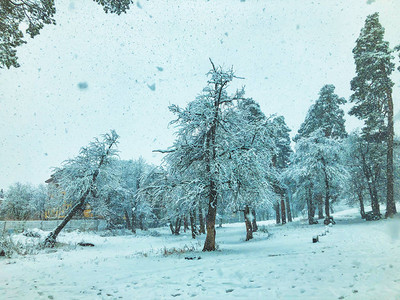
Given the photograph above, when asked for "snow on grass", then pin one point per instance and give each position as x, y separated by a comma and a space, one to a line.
354, 260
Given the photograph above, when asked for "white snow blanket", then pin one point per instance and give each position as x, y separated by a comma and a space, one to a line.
355, 259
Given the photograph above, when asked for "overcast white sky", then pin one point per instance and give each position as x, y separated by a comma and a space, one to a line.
136, 64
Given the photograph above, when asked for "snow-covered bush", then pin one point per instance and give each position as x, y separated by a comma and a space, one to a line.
12, 245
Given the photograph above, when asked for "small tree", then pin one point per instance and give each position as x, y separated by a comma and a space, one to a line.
17, 200
38, 201
78, 177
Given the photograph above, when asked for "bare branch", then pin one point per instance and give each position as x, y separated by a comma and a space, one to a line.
164, 151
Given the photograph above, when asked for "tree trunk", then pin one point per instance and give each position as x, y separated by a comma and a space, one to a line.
50, 240
375, 205
371, 185
247, 220
289, 210
327, 193
254, 221
361, 201
171, 227
202, 228
283, 209
209, 244
185, 224
133, 222
390, 204
127, 220
141, 224
310, 206
193, 224
178, 226
320, 207
277, 213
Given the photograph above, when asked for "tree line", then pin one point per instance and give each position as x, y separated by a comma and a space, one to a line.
230, 157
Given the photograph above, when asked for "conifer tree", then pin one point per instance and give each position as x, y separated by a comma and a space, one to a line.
324, 122
281, 160
325, 114
372, 95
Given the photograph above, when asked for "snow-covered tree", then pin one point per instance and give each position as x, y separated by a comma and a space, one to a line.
316, 166
372, 95
117, 197
325, 114
322, 128
38, 201
17, 200
215, 138
280, 160
78, 177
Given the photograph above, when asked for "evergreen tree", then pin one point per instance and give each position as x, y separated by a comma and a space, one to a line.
372, 95
325, 114
325, 119
281, 159
316, 167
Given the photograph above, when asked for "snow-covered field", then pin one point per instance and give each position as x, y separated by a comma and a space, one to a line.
354, 260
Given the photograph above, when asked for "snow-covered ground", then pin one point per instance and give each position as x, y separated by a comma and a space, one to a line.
354, 260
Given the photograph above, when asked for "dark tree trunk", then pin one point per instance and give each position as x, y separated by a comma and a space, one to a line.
247, 220
193, 225
51, 238
283, 208
390, 204
133, 222
320, 207
375, 205
327, 193
127, 220
254, 221
313, 210
178, 226
141, 224
371, 185
361, 201
202, 228
175, 229
185, 224
289, 210
209, 244
277, 213
310, 206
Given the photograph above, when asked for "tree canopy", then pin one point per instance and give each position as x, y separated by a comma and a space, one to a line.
34, 14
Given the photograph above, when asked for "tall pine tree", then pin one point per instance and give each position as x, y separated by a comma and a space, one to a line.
372, 95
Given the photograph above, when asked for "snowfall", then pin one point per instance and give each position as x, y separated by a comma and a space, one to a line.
353, 259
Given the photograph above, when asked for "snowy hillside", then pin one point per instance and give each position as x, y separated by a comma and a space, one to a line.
354, 260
